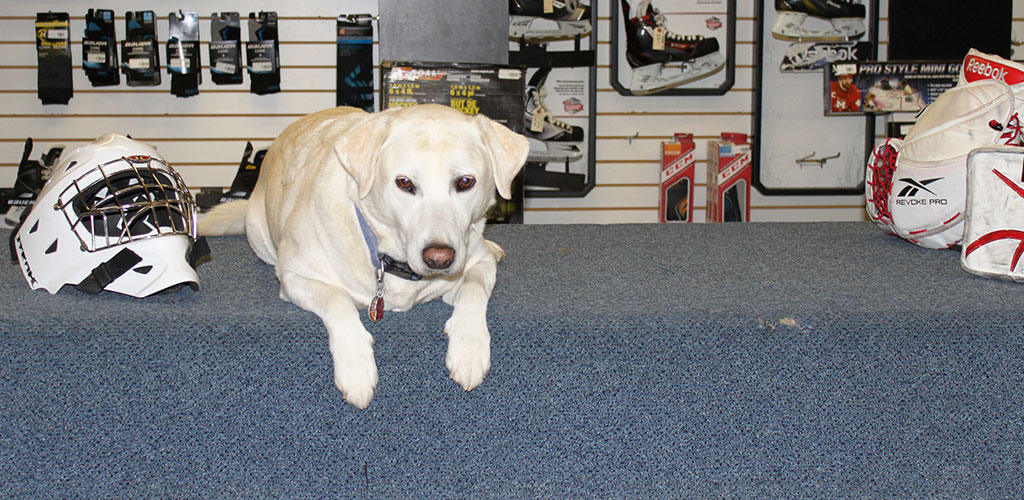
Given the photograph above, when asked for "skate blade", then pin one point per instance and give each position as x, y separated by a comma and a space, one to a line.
519, 27
789, 27
658, 78
544, 152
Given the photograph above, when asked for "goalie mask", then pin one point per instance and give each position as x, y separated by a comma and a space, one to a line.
114, 216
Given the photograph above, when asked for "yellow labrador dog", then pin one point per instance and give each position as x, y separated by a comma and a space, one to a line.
373, 210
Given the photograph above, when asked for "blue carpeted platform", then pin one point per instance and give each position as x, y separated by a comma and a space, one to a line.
629, 361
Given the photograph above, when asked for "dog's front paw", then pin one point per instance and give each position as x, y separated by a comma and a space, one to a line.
469, 354
355, 375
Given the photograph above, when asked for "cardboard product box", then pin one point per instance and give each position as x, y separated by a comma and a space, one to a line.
677, 176
729, 179
493, 90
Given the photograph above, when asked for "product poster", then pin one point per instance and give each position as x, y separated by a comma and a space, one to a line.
798, 149
886, 86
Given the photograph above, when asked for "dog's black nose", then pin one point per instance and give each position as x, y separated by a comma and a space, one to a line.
438, 257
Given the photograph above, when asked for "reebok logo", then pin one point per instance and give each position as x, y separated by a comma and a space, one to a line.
976, 68
914, 186
907, 195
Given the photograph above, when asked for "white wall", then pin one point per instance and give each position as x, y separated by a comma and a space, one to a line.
203, 136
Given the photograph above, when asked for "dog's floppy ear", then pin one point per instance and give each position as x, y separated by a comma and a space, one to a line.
508, 152
358, 147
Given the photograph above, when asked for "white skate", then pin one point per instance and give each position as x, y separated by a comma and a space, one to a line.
655, 78
845, 17
567, 19
553, 152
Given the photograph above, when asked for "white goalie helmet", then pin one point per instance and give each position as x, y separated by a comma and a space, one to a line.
113, 215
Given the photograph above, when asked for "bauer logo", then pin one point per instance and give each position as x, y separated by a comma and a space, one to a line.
913, 193
978, 68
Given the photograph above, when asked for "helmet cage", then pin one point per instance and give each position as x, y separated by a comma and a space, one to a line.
127, 199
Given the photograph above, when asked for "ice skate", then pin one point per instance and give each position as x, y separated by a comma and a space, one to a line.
241, 187
660, 58
31, 177
570, 18
553, 152
551, 139
845, 16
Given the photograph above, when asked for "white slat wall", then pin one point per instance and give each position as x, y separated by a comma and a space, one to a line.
203, 136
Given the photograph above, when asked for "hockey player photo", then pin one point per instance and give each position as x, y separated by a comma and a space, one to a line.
844, 96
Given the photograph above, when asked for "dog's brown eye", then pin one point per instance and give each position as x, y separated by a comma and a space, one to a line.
406, 185
464, 183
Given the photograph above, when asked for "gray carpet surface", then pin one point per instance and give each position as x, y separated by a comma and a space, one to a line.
629, 361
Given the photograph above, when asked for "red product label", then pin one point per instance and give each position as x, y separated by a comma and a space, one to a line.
980, 68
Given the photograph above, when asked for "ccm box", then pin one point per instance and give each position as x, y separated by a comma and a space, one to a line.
728, 179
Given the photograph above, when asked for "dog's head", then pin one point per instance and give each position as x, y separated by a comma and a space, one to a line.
429, 174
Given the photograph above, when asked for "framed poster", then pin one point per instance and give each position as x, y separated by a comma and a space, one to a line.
796, 148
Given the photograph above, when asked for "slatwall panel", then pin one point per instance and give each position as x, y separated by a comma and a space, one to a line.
204, 136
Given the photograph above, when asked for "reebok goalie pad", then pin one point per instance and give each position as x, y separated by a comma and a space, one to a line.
916, 187
994, 229
981, 66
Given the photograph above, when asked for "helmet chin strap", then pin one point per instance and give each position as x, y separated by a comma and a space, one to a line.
105, 273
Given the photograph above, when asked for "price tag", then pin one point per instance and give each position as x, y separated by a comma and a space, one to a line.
262, 67
659, 38
537, 122
225, 67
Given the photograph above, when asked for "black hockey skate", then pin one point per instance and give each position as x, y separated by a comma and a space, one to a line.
32, 176
661, 59
550, 138
242, 185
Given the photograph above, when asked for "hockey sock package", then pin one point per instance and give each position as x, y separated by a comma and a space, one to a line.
225, 48
355, 61
261, 52
99, 48
994, 230
183, 62
54, 57
141, 57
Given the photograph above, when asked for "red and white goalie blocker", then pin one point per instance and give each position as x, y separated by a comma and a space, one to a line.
916, 187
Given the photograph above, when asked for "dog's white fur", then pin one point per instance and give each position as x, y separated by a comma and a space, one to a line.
301, 218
